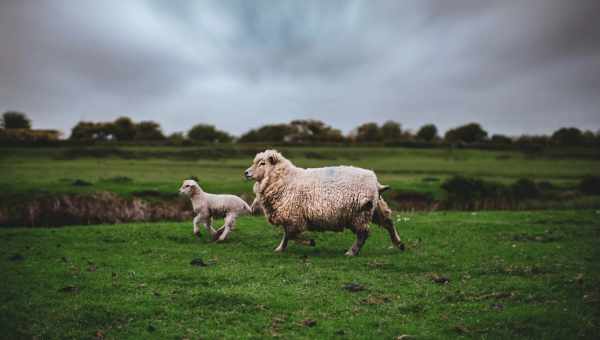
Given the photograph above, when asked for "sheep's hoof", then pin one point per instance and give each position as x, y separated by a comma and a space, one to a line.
312, 243
279, 250
401, 246
350, 253
197, 234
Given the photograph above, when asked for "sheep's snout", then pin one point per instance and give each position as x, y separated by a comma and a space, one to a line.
248, 174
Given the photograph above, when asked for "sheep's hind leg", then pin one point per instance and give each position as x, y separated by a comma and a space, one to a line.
222, 233
361, 236
383, 217
284, 241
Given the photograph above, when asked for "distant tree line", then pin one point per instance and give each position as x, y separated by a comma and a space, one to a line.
17, 125
15, 129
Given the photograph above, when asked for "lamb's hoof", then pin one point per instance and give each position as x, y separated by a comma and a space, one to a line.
279, 250
401, 246
312, 243
217, 235
197, 235
350, 253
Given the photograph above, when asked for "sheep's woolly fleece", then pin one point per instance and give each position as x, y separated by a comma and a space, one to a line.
329, 198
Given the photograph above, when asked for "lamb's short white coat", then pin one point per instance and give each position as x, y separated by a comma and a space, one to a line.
208, 206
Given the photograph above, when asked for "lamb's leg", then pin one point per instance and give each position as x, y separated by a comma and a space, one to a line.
222, 233
284, 241
255, 207
362, 233
208, 225
383, 217
195, 222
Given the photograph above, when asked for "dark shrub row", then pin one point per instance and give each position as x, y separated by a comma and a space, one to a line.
473, 193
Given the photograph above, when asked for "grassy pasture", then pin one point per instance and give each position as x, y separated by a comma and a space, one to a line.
511, 275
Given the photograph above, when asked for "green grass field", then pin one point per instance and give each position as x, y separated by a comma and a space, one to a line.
511, 275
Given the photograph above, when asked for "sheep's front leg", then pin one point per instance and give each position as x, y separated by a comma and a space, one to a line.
361, 236
284, 241
222, 233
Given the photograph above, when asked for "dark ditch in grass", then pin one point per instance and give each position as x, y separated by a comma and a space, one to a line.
42, 209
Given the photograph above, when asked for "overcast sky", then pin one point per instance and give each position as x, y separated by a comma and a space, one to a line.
514, 66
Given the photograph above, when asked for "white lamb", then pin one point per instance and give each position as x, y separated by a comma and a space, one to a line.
208, 206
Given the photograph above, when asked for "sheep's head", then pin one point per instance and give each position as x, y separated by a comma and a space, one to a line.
263, 164
189, 187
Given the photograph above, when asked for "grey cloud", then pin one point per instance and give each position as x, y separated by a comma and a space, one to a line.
516, 67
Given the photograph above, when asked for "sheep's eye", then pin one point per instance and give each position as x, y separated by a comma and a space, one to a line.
261, 163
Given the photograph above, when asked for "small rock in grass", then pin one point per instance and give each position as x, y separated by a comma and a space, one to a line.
69, 289
309, 322
404, 337
439, 279
81, 183
354, 287
497, 306
198, 262
17, 257
460, 329
579, 279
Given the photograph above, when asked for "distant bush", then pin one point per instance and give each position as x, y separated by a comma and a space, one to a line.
545, 185
81, 183
208, 133
590, 185
28, 137
525, 188
427, 133
464, 189
15, 120
469, 133
500, 139
473, 193
568, 137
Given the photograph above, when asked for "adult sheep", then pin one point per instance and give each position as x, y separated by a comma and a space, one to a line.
320, 199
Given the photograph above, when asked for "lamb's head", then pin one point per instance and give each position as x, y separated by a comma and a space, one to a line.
263, 164
189, 187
